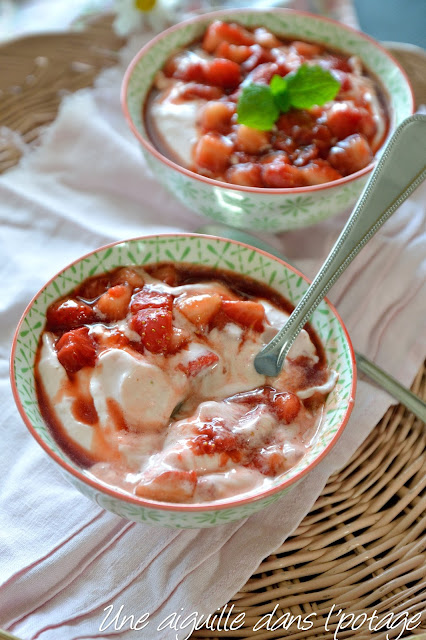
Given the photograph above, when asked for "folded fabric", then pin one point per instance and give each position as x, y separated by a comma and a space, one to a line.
63, 559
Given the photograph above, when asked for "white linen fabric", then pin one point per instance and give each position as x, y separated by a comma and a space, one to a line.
62, 558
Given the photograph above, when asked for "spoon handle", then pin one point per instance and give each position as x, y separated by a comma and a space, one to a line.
400, 170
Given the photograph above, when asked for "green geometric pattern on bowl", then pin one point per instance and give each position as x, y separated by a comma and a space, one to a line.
252, 210
199, 250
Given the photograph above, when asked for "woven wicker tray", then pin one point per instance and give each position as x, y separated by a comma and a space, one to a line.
361, 547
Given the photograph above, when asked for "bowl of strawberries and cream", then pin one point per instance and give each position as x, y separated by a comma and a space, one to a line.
264, 120
144, 388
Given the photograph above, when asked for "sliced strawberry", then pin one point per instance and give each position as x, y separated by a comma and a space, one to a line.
200, 309
282, 175
266, 39
113, 339
319, 172
245, 312
94, 287
69, 314
224, 73
216, 116
215, 437
212, 152
166, 273
236, 53
286, 406
259, 56
129, 276
178, 340
114, 304
148, 298
76, 349
344, 119
270, 461
350, 155
194, 367
219, 31
306, 49
305, 155
246, 174
195, 90
252, 140
154, 327
262, 74
190, 71
169, 486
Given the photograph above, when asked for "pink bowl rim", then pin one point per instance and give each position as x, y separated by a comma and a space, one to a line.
219, 505
217, 183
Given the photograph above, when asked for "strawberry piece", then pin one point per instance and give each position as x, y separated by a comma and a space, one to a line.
344, 119
305, 155
252, 140
178, 339
127, 275
306, 49
263, 73
212, 152
216, 116
246, 174
215, 437
319, 172
218, 31
245, 312
286, 406
236, 53
76, 349
282, 175
259, 56
266, 39
166, 273
94, 287
154, 327
224, 73
270, 461
298, 125
150, 299
169, 486
200, 309
194, 90
114, 304
350, 155
194, 367
69, 314
190, 71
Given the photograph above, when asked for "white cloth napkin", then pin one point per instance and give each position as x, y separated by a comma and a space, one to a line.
63, 559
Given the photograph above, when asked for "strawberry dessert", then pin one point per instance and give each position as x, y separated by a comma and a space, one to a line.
146, 378
246, 107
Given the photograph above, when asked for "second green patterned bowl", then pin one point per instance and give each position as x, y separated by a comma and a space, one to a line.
212, 252
254, 207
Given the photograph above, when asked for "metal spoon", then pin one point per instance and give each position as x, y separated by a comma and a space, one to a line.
400, 170
369, 368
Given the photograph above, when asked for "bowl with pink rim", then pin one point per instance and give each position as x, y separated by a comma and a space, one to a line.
193, 250
261, 208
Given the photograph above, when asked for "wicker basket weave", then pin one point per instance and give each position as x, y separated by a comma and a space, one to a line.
362, 545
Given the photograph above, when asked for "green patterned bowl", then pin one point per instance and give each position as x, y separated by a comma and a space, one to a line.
260, 209
193, 249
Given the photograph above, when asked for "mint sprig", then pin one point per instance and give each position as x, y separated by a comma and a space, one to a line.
259, 105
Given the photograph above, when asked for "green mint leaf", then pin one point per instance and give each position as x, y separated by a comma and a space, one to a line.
310, 86
256, 107
280, 92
